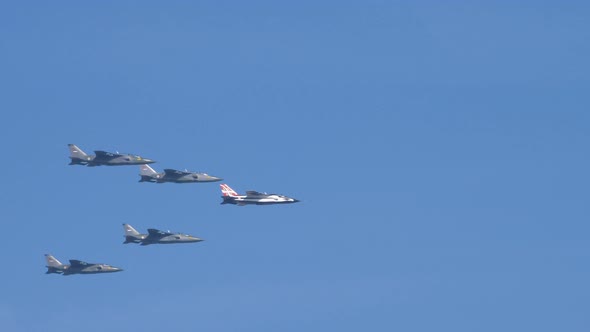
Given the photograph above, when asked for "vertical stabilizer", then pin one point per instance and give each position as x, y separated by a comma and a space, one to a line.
131, 234
227, 191
52, 261
77, 155
146, 170
129, 230
147, 174
53, 265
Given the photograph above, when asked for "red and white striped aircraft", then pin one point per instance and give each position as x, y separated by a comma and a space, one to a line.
252, 197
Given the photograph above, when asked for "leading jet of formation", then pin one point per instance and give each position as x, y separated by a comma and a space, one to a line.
252, 197
171, 175
155, 236
100, 158
77, 267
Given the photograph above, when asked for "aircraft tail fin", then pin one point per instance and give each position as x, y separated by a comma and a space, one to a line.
53, 265
131, 235
77, 155
130, 231
147, 173
146, 170
52, 261
227, 191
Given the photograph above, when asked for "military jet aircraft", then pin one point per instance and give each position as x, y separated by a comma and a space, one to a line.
171, 175
252, 197
104, 158
155, 236
77, 267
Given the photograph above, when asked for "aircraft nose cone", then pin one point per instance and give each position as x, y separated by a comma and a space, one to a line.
148, 161
296, 200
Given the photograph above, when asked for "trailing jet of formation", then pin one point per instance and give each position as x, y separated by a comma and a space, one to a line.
101, 158
171, 175
252, 197
155, 236
77, 267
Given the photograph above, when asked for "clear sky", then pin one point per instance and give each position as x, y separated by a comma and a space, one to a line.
440, 152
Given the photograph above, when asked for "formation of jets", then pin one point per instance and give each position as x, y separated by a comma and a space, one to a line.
148, 174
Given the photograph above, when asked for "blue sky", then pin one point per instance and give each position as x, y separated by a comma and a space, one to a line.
439, 150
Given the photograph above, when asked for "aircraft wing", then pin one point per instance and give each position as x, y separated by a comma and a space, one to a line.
104, 155
175, 173
157, 232
254, 193
77, 263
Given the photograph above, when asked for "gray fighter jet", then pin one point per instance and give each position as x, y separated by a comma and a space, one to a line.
77, 267
171, 175
78, 157
252, 197
155, 236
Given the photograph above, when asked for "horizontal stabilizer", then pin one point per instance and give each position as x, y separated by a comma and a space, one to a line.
147, 178
78, 162
131, 239
53, 270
